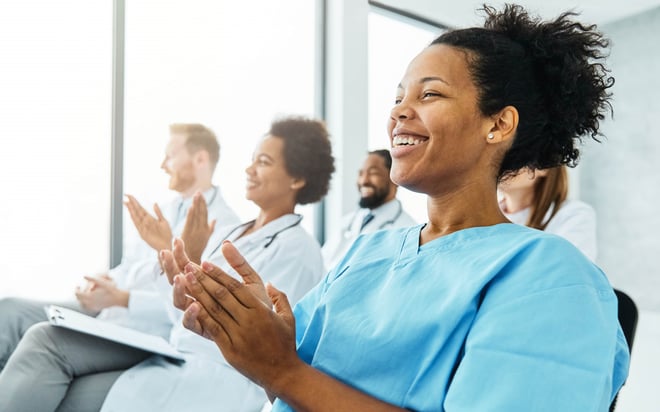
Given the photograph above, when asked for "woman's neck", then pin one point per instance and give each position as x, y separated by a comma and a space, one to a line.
461, 209
268, 215
516, 200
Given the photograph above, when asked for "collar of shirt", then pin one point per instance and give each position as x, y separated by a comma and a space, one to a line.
208, 194
384, 211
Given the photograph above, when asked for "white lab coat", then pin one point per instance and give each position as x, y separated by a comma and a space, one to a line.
575, 221
147, 311
387, 216
205, 382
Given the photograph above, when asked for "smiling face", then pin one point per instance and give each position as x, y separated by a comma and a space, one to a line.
437, 133
268, 182
374, 183
178, 163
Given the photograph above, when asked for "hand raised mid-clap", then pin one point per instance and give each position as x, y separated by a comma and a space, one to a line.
155, 231
197, 230
238, 317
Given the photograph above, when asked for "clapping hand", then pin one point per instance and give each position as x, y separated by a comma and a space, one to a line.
101, 292
239, 316
155, 231
197, 230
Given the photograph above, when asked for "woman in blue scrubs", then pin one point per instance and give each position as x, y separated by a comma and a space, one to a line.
466, 312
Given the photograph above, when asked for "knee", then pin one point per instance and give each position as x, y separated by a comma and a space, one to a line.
39, 332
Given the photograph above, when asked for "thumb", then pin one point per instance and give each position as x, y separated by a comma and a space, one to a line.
159, 214
99, 281
281, 303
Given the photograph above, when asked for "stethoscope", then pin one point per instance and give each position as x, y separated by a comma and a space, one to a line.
215, 193
389, 222
244, 226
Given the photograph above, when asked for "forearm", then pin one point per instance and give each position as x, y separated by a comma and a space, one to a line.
121, 298
305, 388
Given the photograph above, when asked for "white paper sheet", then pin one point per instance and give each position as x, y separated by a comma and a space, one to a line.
80, 322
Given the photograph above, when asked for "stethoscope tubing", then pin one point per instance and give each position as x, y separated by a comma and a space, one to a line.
270, 238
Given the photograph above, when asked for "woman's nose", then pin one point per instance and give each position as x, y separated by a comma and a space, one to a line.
400, 111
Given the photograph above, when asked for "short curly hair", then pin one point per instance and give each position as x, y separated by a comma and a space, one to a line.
307, 154
551, 72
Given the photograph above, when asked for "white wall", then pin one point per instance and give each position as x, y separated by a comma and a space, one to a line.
620, 178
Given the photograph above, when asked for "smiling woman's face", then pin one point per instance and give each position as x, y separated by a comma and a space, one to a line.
437, 133
268, 181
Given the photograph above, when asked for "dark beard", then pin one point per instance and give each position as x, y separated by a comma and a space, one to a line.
375, 200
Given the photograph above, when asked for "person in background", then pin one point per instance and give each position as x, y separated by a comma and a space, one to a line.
126, 294
291, 165
379, 207
468, 311
537, 198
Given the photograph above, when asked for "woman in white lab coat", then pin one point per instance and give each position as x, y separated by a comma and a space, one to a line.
291, 165
538, 199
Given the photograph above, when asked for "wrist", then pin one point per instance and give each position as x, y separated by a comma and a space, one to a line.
289, 378
122, 298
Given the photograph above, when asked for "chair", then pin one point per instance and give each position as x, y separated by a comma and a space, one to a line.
628, 315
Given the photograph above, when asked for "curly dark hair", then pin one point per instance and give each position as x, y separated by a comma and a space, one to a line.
307, 154
549, 71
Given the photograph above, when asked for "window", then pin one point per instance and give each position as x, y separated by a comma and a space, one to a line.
232, 66
392, 44
55, 78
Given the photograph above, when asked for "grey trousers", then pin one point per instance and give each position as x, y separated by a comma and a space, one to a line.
16, 316
57, 369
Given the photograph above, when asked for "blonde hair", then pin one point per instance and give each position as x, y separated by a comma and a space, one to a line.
199, 137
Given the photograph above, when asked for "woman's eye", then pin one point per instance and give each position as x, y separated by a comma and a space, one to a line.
431, 94
397, 100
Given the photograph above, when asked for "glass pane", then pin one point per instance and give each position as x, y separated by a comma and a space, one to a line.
231, 66
392, 44
55, 82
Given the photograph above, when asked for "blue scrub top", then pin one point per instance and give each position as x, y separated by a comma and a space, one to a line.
498, 318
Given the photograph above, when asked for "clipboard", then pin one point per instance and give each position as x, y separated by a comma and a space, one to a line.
70, 319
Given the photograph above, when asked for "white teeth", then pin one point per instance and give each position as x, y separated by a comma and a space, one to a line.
405, 140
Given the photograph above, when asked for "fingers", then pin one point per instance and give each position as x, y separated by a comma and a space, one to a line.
281, 303
180, 296
100, 281
82, 297
135, 210
133, 206
201, 206
129, 203
212, 226
179, 253
216, 296
240, 265
158, 212
169, 265
197, 319
198, 212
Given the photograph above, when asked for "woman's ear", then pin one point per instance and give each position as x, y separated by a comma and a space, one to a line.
298, 183
505, 124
